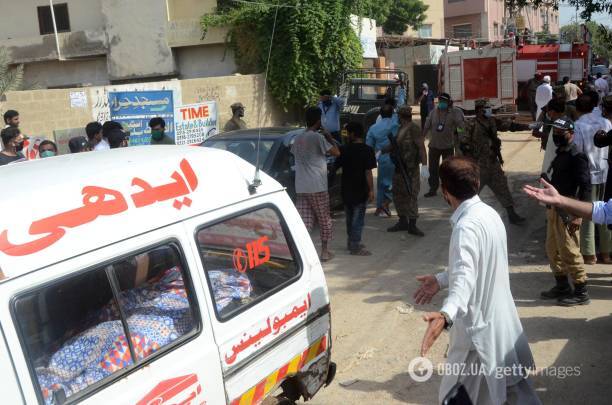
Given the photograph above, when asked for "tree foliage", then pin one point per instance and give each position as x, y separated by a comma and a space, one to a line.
588, 7
600, 37
396, 16
314, 42
11, 77
405, 13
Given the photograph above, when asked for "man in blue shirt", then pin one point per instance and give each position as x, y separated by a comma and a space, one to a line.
331, 107
378, 139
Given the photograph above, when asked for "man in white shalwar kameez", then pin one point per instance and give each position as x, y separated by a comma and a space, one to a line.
544, 93
485, 330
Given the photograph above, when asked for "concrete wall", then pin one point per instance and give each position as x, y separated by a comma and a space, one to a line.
495, 15
435, 17
484, 14
205, 61
136, 38
185, 9
43, 111
19, 18
247, 89
532, 19
77, 73
136, 32
456, 8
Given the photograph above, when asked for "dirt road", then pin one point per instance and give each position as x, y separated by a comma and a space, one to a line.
377, 329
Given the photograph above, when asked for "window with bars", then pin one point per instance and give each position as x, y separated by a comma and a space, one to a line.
462, 31
45, 19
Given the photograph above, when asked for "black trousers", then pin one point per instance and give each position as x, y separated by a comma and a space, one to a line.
434, 165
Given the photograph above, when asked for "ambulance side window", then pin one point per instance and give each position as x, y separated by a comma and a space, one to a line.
89, 327
247, 258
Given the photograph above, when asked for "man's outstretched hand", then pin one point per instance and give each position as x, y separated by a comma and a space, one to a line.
547, 195
436, 326
429, 287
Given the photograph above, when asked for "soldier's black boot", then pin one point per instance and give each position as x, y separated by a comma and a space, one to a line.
579, 297
561, 290
412, 228
402, 225
513, 217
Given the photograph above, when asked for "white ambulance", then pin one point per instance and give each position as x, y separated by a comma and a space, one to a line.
157, 275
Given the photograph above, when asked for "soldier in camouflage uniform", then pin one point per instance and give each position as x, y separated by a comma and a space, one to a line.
480, 141
411, 151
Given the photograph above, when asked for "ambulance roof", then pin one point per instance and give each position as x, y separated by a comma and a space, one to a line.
60, 207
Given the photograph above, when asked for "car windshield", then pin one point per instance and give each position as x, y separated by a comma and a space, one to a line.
244, 148
371, 91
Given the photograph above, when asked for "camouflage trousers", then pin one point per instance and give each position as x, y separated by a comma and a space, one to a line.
493, 175
406, 203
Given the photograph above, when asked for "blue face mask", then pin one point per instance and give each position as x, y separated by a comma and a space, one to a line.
442, 105
47, 153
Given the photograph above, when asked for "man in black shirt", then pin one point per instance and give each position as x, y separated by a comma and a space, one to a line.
357, 161
12, 140
571, 176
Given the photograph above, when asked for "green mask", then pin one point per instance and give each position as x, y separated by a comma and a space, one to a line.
47, 153
157, 134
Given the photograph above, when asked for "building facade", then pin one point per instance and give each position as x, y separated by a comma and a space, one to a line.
101, 42
486, 19
433, 26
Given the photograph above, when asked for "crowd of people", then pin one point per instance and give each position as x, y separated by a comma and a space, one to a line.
395, 146
567, 121
109, 135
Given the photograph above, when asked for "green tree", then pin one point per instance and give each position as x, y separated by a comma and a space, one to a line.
313, 43
588, 7
396, 16
405, 13
11, 77
600, 35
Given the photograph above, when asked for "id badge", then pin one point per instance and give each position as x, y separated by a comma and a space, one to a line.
440, 127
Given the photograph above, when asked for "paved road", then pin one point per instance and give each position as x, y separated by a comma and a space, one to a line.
377, 329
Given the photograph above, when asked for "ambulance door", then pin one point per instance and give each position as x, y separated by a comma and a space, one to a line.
271, 310
125, 324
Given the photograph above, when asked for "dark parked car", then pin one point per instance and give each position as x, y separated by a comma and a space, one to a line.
275, 159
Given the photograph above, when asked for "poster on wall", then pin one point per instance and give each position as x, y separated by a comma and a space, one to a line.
195, 122
78, 99
134, 109
30, 147
98, 96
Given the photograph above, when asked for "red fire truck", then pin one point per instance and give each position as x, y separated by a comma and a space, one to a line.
554, 60
483, 72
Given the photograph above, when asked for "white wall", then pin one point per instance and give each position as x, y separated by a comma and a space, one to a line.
19, 18
205, 61
68, 73
137, 39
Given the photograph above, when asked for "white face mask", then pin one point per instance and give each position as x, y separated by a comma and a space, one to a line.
488, 112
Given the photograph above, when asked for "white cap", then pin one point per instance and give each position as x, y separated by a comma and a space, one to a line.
547, 79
